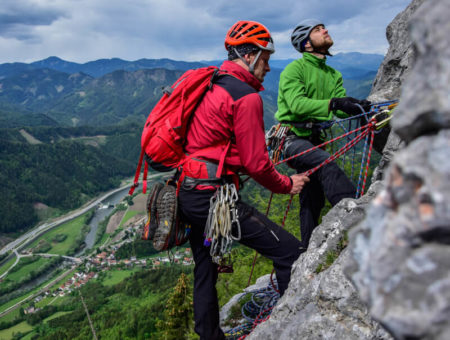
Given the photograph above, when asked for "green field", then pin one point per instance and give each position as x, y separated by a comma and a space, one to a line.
71, 229
104, 239
26, 269
29, 336
56, 315
129, 214
60, 282
22, 327
10, 316
7, 265
115, 276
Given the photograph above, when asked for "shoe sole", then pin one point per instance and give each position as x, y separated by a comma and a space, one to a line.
152, 224
166, 205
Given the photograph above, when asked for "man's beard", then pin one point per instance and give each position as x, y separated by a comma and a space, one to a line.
324, 46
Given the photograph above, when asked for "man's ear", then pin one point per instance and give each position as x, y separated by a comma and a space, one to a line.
247, 57
308, 44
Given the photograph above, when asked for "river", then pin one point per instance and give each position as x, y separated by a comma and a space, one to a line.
106, 207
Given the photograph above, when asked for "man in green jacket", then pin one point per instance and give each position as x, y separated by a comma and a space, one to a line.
311, 92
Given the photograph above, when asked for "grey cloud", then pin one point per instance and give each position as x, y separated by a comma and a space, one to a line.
180, 29
283, 15
18, 17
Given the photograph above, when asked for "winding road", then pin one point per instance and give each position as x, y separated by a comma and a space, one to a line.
32, 234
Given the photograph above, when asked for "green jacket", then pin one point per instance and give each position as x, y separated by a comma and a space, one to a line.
304, 92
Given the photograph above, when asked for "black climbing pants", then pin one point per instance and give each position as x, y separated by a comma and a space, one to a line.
329, 181
256, 233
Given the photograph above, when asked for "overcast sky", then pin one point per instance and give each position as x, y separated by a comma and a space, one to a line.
85, 30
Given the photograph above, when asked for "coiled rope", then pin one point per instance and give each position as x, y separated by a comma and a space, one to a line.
255, 311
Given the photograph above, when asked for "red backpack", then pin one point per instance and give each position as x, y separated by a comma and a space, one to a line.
164, 132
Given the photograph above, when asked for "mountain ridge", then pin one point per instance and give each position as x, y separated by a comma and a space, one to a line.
100, 67
55, 90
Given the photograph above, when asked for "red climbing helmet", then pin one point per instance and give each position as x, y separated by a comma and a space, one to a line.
249, 32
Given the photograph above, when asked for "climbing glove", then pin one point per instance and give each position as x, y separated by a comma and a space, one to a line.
349, 105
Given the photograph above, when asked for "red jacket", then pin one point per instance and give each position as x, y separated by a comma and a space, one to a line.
233, 109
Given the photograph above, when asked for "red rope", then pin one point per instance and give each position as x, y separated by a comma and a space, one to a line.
287, 210
369, 154
258, 320
367, 126
256, 253
282, 225
338, 153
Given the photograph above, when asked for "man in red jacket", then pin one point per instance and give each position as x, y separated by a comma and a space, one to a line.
230, 117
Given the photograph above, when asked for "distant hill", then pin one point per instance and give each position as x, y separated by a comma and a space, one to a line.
360, 63
95, 68
360, 87
110, 91
349, 64
78, 99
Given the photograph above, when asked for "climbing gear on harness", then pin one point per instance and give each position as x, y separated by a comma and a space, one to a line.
384, 116
222, 226
274, 140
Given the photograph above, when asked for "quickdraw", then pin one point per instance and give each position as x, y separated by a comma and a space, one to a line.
222, 226
274, 140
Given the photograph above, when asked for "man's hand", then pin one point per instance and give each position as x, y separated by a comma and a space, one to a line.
298, 182
365, 104
349, 105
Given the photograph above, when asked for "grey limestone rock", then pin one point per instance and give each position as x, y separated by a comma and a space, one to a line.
397, 62
425, 102
322, 303
387, 85
400, 254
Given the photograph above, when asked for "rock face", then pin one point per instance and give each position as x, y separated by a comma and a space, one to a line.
322, 303
397, 264
425, 104
387, 85
398, 60
401, 252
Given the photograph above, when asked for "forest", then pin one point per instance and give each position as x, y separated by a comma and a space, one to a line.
67, 167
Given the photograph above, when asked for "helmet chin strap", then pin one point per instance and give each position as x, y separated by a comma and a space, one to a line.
251, 67
315, 51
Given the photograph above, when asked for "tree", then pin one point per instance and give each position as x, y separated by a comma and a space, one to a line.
177, 322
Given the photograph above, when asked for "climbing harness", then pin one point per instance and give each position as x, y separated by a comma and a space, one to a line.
222, 226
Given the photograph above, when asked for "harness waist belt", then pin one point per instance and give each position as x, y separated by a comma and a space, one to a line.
310, 125
190, 183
